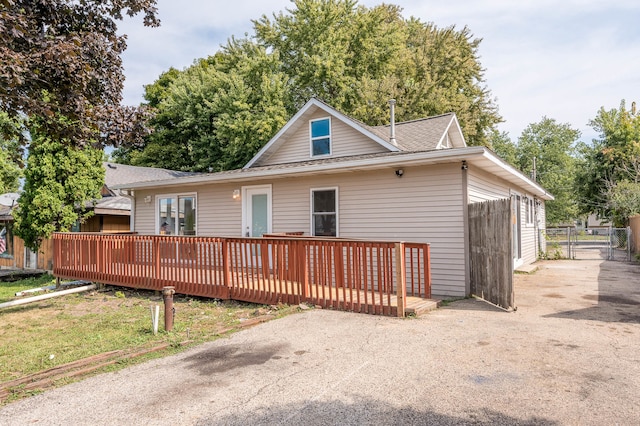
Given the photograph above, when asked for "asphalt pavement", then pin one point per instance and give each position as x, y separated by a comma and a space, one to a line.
567, 356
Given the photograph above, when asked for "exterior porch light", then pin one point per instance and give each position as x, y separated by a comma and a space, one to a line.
236, 194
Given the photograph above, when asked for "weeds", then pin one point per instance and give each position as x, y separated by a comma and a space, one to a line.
57, 331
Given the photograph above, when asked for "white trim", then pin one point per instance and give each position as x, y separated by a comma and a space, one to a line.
258, 189
477, 156
334, 113
312, 139
174, 196
311, 211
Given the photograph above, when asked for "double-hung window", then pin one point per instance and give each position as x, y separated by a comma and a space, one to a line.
324, 212
320, 137
176, 214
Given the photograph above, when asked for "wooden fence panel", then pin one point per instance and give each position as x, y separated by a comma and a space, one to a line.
491, 258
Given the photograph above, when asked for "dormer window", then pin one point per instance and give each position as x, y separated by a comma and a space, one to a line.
320, 137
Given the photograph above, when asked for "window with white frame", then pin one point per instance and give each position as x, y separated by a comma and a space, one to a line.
324, 212
320, 131
529, 207
176, 214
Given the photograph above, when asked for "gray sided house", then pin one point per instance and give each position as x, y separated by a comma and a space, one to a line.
325, 174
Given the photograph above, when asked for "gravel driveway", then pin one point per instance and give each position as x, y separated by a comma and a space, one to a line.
569, 355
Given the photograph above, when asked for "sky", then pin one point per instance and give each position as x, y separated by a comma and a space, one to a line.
563, 60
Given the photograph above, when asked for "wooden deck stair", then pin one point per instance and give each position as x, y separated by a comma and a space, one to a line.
418, 306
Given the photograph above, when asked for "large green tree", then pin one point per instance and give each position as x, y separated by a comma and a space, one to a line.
61, 74
62, 59
59, 181
356, 58
219, 112
216, 114
552, 144
611, 160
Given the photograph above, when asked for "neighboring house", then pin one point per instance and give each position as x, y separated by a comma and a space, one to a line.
111, 214
325, 174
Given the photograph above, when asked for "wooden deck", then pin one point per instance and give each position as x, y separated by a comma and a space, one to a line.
383, 278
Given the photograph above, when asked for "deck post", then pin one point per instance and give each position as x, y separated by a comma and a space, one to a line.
401, 279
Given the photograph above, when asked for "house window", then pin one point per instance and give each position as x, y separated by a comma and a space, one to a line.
176, 214
6, 238
529, 210
320, 137
324, 212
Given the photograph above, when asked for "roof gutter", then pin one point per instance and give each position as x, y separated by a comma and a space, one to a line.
471, 154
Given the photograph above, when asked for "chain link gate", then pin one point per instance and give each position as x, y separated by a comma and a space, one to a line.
570, 243
620, 244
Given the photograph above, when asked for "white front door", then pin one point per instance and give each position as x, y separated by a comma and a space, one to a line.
256, 210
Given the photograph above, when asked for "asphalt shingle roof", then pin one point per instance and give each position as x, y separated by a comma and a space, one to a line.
417, 135
118, 174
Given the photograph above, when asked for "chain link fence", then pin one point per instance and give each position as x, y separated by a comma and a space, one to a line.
571, 243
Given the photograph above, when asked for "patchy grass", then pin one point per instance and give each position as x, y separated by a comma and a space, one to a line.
8, 290
57, 331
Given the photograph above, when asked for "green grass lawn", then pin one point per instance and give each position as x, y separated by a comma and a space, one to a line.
9, 289
57, 331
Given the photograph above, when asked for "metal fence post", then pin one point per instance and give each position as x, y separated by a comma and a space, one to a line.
167, 295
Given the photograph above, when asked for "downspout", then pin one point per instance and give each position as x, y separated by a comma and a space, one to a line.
465, 218
392, 136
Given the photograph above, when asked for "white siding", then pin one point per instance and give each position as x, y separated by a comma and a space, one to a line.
483, 186
529, 252
425, 205
344, 139
144, 213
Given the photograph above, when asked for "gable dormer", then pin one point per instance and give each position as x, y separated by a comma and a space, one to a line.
316, 132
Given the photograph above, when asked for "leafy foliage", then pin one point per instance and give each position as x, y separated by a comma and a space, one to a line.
553, 145
218, 113
9, 157
215, 115
62, 58
60, 178
502, 145
609, 162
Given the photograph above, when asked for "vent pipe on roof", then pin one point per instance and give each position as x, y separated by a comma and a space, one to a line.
392, 137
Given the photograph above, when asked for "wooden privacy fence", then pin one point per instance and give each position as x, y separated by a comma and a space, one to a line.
361, 276
491, 256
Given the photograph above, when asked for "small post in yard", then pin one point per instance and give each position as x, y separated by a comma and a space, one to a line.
167, 295
401, 279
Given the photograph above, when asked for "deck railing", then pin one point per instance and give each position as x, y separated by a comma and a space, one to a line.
362, 276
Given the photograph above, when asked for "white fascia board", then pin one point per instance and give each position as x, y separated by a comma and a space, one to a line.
329, 110
517, 176
282, 131
456, 123
409, 159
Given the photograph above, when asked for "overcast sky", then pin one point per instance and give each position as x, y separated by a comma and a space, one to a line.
563, 60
